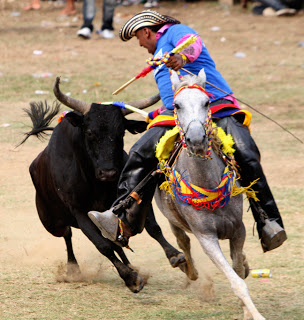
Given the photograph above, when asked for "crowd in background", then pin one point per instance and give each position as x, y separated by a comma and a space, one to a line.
268, 8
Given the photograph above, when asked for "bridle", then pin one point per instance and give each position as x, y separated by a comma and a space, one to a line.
207, 124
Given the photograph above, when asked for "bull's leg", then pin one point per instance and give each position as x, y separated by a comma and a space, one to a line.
174, 256
72, 266
121, 254
183, 242
131, 278
52, 226
239, 261
211, 247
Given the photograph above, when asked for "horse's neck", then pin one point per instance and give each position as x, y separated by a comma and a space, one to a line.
203, 173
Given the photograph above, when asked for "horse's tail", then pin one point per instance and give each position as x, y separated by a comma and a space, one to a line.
41, 115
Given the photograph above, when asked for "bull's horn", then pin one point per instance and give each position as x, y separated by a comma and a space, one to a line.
77, 105
143, 103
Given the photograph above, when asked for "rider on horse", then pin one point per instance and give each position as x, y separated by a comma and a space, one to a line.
159, 34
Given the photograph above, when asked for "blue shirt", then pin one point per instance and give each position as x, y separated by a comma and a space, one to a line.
166, 43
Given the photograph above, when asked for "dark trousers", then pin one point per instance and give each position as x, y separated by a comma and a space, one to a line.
278, 5
89, 12
141, 162
247, 156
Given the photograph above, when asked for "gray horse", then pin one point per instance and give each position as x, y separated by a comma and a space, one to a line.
191, 105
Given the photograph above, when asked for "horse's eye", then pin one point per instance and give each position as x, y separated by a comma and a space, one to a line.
207, 104
176, 106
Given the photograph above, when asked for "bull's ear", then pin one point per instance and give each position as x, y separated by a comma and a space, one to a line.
135, 126
75, 118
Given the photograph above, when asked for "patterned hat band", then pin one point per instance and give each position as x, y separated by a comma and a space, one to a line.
146, 18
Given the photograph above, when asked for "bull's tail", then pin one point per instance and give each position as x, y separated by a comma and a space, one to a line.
41, 115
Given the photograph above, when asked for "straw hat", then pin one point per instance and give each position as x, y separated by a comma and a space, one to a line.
146, 18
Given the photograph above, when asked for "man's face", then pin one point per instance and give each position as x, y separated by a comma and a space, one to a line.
146, 39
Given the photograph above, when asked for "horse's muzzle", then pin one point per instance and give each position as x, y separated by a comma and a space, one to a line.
196, 139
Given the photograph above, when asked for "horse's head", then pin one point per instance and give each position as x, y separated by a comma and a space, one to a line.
191, 104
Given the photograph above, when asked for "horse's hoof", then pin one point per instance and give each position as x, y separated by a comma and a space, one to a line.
246, 266
191, 274
176, 261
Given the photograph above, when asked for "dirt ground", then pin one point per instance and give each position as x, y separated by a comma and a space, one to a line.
269, 76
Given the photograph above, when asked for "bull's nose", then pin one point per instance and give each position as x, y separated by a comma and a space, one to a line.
107, 175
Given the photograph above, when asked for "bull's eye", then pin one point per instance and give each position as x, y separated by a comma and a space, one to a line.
89, 133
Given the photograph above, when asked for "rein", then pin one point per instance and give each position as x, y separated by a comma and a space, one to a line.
208, 130
248, 105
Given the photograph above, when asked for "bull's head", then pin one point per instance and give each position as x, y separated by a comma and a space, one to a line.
103, 128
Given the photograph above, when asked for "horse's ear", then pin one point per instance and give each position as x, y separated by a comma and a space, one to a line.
174, 79
202, 75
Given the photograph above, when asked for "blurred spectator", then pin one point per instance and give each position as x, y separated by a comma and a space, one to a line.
277, 8
127, 3
151, 4
89, 12
68, 10
34, 5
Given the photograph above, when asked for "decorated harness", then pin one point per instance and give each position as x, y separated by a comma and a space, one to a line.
177, 183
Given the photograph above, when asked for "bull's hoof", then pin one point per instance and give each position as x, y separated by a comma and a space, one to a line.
138, 285
69, 273
73, 269
177, 260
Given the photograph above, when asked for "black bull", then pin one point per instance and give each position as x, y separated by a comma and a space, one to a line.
78, 171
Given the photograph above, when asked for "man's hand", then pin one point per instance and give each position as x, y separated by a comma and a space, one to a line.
175, 62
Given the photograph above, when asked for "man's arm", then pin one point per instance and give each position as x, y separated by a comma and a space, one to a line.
187, 55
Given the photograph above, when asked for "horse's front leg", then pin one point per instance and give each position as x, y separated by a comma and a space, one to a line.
239, 261
211, 247
183, 242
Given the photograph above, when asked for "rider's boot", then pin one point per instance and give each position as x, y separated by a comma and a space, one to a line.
269, 221
136, 188
269, 225
128, 216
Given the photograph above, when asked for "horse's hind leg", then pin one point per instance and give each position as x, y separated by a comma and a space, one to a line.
239, 261
212, 249
183, 242
174, 256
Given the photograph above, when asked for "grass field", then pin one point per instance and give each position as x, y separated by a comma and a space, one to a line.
270, 77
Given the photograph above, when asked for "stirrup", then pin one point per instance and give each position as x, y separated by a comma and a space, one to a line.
273, 235
110, 226
106, 222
